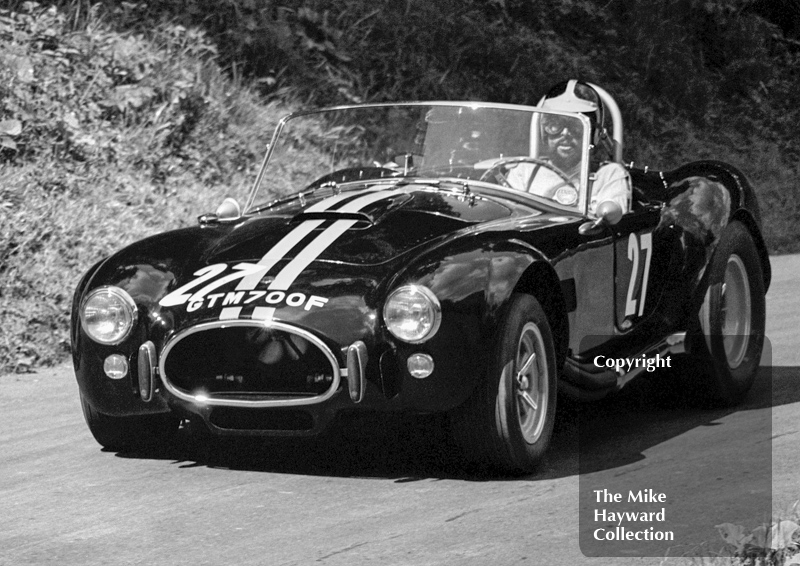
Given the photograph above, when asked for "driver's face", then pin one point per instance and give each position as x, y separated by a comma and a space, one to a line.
564, 144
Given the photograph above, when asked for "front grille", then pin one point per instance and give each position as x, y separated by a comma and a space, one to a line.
249, 364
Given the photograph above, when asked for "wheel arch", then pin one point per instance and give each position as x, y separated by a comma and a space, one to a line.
541, 281
509, 266
745, 217
743, 207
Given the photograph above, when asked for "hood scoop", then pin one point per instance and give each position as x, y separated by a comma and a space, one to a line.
365, 217
363, 220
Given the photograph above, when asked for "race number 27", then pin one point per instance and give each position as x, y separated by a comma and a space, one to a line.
637, 247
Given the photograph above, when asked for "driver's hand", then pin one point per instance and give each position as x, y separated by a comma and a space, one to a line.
518, 174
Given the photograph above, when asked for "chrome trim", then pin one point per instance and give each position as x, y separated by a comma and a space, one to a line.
127, 301
210, 400
356, 370
147, 371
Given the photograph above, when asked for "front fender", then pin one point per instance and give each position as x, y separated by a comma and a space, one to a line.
120, 397
77, 299
477, 281
474, 284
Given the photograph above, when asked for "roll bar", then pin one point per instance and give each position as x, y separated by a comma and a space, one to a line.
616, 119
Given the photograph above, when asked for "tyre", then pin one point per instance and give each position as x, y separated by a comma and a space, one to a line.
731, 319
507, 423
122, 433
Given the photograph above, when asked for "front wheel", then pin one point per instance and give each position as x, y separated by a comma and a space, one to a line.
732, 318
121, 433
508, 421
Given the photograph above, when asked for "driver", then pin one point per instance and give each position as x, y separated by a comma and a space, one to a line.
562, 146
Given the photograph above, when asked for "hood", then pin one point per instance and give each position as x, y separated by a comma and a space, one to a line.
361, 227
330, 256
320, 265
323, 266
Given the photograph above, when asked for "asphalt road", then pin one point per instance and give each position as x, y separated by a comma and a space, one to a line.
394, 493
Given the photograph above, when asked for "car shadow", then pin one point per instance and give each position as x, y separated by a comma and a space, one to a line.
588, 437
397, 447
617, 431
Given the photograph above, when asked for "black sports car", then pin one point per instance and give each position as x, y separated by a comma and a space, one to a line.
403, 270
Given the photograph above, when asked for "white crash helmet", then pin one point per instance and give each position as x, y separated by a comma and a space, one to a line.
577, 96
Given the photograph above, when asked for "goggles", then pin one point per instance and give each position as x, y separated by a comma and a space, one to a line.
554, 125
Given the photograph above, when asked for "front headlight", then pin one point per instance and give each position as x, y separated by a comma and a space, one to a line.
412, 313
108, 315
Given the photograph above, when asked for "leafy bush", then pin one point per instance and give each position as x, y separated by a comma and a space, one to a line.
105, 138
770, 544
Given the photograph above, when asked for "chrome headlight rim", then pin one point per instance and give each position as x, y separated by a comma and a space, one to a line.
126, 301
433, 303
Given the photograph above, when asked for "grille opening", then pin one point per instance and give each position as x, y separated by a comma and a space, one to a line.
247, 360
233, 418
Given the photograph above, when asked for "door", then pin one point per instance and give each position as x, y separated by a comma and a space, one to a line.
643, 256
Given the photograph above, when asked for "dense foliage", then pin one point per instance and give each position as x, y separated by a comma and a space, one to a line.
105, 138
119, 119
720, 64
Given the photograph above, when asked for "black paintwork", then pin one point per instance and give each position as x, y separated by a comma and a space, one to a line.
472, 247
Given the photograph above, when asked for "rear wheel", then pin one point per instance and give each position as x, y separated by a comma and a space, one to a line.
507, 423
121, 433
732, 318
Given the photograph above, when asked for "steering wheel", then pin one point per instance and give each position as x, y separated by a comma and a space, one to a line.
496, 169
565, 193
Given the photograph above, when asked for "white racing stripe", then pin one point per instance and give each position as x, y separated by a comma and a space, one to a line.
285, 245
306, 256
290, 240
330, 201
230, 313
289, 273
278, 252
263, 313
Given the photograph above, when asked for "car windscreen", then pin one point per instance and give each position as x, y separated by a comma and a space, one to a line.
517, 148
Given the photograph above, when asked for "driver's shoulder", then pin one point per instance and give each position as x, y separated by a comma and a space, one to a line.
611, 169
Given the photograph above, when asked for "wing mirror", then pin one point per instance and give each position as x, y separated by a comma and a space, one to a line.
608, 213
228, 210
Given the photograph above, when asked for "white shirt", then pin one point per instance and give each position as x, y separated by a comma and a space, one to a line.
611, 182
537, 179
